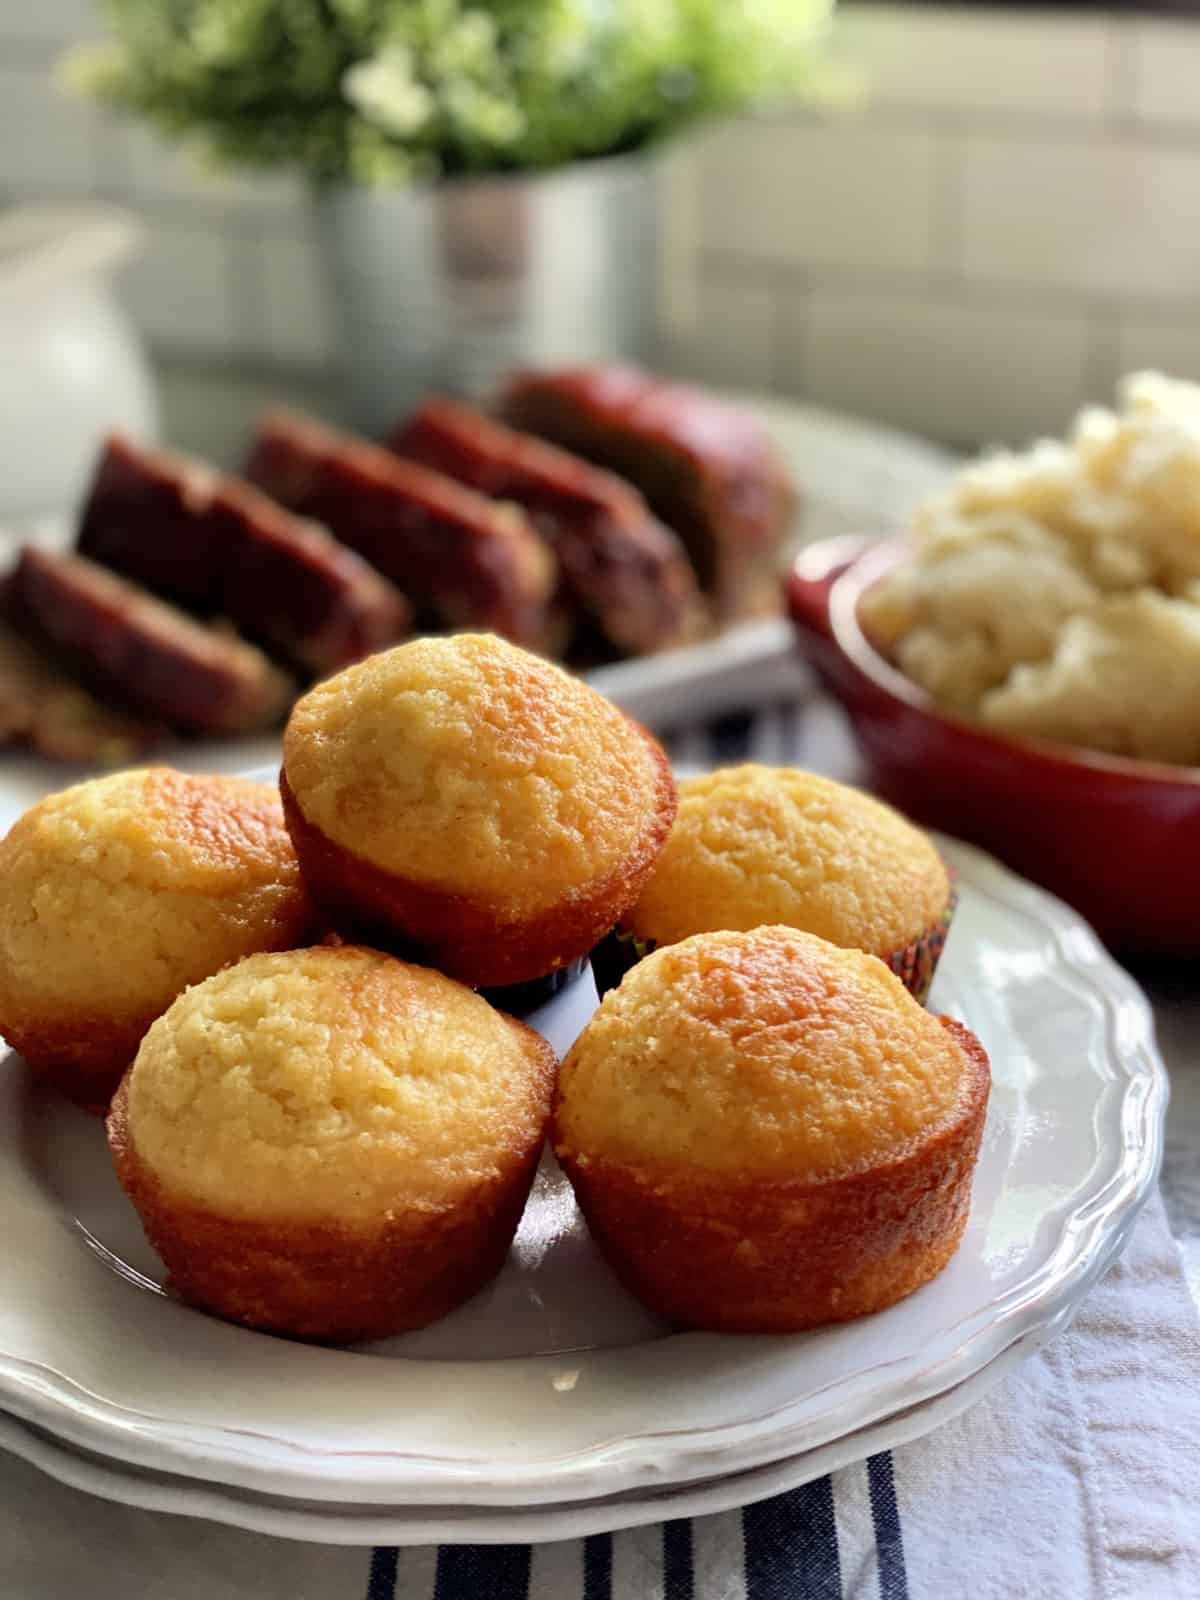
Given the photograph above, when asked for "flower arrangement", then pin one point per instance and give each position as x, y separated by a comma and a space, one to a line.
387, 92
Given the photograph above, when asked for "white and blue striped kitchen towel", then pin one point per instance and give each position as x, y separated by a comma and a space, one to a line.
1073, 1479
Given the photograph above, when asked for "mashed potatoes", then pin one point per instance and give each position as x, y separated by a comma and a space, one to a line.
1056, 593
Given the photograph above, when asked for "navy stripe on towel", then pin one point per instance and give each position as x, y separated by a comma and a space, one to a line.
482, 1572
381, 1584
677, 1560
597, 1567
792, 1545
885, 1514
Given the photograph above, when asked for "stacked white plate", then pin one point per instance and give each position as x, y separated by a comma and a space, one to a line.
552, 1405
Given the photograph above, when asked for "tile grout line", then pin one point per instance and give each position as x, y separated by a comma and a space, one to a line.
948, 208
246, 266
112, 169
1121, 78
19, 51
237, 218
985, 292
1102, 353
1019, 125
789, 332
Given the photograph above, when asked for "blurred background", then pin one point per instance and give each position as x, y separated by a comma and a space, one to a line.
989, 227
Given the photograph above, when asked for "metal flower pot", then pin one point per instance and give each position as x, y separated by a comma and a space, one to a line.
448, 287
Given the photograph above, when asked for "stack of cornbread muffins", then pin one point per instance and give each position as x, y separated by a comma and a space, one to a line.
296, 1008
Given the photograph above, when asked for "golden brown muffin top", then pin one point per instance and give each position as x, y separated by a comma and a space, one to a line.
333, 1084
470, 766
753, 845
768, 1055
121, 890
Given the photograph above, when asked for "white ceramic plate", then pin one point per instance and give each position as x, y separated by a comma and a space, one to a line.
425, 1525
552, 1387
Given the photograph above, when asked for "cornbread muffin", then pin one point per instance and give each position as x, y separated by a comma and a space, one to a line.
474, 805
1056, 591
331, 1143
753, 845
116, 894
766, 1132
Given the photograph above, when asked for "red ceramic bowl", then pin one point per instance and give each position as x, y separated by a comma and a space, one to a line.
1116, 838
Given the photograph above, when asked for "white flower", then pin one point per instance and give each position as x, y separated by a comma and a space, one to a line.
484, 116
471, 43
225, 30
568, 39
385, 90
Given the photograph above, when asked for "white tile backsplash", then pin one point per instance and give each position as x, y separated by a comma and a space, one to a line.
181, 290
1167, 346
212, 412
678, 229
1006, 221
295, 325
961, 372
159, 170
1106, 214
1161, 85
46, 137
980, 59
47, 21
827, 190
729, 335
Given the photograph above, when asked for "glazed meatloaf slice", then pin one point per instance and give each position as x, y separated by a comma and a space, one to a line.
706, 468
45, 708
151, 657
621, 569
463, 560
221, 548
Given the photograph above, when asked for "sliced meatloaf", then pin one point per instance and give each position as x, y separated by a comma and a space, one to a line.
706, 468
219, 547
622, 571
463, 560
148, 655
46, 708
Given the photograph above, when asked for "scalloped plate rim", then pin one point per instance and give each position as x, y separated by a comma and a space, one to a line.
606, 1466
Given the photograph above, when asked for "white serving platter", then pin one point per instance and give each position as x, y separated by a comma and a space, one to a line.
553, 1389
343, 1524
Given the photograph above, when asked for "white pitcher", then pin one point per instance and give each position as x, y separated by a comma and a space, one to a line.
71, 366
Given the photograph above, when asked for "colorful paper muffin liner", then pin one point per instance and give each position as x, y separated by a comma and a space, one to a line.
914, 965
